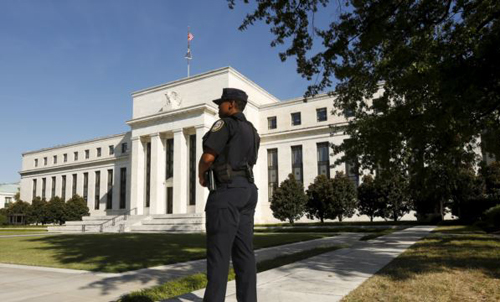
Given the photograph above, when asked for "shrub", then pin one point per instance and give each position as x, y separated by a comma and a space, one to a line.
76, 208
289, 200
344, 198
56, 209
369, 201
319, 198
38, 211
492, 216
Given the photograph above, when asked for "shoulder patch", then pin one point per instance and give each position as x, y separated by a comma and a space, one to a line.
217, 126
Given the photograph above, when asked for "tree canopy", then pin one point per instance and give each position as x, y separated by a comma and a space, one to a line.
422, 77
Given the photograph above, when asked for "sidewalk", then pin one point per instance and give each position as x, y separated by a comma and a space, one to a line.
327, 277
40, 284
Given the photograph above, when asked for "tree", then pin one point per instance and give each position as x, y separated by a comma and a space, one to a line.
393, 190
422, 77
76, 208
344, 198
56, 209
369, 199
289, 200
19, 208
38, 211
320, 198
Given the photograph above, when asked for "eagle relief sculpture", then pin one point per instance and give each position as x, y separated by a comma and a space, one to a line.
172, 101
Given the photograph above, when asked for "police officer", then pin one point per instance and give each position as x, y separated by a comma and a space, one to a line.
230, 149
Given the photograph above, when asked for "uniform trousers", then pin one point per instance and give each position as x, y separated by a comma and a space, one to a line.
230, 213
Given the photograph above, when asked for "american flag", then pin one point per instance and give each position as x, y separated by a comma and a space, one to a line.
190, 36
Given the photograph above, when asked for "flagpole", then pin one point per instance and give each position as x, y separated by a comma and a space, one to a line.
188, 54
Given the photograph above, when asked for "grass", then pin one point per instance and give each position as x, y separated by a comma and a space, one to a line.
20, 232
327, 230
194, 282
16, 226
336, 223
454, 263
120, 252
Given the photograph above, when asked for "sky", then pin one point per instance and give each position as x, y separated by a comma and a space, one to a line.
68, 67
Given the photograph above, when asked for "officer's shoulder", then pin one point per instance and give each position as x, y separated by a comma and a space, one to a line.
220, 124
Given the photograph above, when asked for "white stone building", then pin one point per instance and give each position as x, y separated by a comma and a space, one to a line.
152, 168
7, 193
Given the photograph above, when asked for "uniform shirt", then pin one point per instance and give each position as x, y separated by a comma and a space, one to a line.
232, 139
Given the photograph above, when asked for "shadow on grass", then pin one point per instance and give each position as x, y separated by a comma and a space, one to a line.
123, 252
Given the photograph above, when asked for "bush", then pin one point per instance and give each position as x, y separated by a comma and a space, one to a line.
319, 198
492, 216
3, 219
56, 209
289, 200
369, 199
344, 198
393, 190
38, 211
76, 208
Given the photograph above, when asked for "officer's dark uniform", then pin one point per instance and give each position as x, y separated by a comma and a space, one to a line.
230, 209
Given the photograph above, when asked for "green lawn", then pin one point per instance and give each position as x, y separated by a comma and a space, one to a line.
454, 263
20, 232
120, 252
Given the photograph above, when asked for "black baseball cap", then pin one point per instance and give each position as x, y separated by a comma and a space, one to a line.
230, 94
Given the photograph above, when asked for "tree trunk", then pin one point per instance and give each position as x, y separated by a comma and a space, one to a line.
322, 220
371, 218
340, 218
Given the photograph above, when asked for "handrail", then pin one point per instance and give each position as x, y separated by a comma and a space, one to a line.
114, 219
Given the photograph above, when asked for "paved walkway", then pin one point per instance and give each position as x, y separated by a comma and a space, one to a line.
327, 277
40, 284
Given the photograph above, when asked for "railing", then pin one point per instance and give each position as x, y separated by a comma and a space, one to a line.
113, 221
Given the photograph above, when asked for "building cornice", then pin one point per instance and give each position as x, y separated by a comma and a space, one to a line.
201, 76
69, 166
296, 101
174, 113
76, 143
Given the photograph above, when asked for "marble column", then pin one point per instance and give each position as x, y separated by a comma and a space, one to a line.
180, 172
158, 166
137, 176
201, 192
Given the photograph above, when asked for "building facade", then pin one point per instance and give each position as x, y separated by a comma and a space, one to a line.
7, 193
152, 169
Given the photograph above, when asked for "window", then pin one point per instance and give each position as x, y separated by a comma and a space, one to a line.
55, 159
321, 114
44, 186
87, 154
98, 152
272, 171
170, 158
323, 159
36, 162
351, 170
111, 150
297, 169
75, 156
123, 187
63, 188
109, 195
53, 193
97, 191
192, 169
85, 186
148, 174
45, 161
271, 122
33, 195
8, 200
73, 190
65, 157
124, 148
296, 119
348, 113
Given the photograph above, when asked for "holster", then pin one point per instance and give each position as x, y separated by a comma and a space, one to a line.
210, 180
